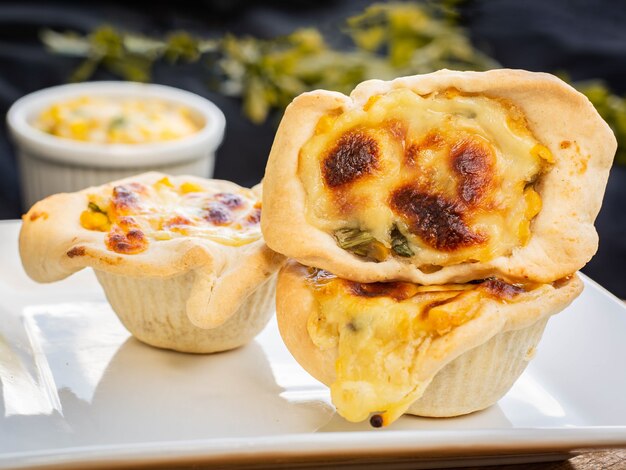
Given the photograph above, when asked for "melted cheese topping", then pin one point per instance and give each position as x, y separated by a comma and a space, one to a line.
117, 121
133, 214
445, 176
382, 332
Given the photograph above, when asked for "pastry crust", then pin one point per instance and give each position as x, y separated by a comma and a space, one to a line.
563, 236
53, 245
296, 302
154, 311
480, 377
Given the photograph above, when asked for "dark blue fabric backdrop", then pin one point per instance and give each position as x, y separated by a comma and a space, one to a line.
585, 38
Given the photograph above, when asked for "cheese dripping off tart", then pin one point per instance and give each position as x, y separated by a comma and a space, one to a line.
177, 256
379, 346
440, 178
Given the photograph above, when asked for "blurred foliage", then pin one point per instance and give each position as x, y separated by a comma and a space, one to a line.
268, 74
416, 38
390, 40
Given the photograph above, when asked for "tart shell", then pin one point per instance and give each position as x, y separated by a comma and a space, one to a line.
201, 284
563, 237
466, 370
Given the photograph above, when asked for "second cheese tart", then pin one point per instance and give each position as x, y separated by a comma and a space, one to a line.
182, 259
439, 178
391, 348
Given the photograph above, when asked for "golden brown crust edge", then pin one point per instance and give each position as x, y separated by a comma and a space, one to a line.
564, 237
295, 303
53, 245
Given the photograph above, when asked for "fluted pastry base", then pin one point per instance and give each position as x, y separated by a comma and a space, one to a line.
480, 377
154, 311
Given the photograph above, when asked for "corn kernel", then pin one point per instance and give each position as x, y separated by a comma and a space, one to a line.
189, 187
168, 134
541, 151
325, 124
533, 207
449, 315
165, 181
79, 130
370, 102
55, 112
533, 203
163, 235
451, 93
94, 221
523, 232
378, 251
116, 136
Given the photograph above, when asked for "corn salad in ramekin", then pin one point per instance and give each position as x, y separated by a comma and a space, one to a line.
119, 121
73, 136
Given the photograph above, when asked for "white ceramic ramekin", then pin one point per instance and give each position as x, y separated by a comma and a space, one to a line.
50, 164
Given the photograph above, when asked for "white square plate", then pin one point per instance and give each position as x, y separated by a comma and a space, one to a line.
78, 391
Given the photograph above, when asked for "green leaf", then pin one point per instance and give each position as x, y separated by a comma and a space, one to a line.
370, 39
307, 40
256, 100
181, 46
69, 43
106, 41
85, 70
130, 67
140, 45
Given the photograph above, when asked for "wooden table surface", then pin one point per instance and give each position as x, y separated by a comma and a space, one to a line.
614, 459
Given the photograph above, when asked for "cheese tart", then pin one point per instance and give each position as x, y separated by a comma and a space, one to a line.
181, 259
440, 178
385, 349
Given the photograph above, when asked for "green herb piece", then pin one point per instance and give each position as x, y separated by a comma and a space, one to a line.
361, 243
94, 207
118, 122
354, 240
399, 243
